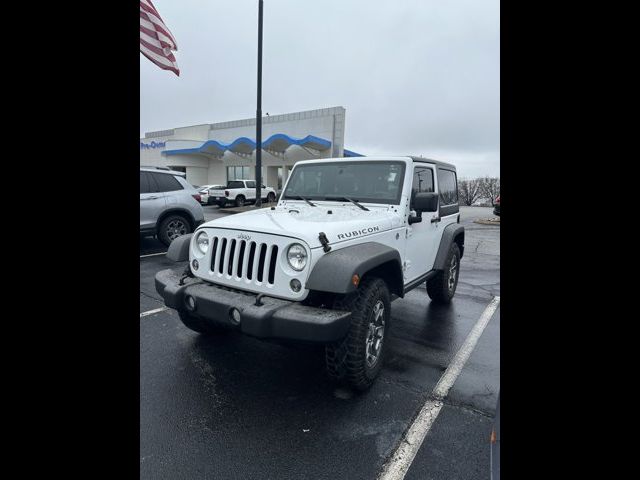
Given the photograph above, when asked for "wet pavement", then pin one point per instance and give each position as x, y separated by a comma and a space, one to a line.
235, 407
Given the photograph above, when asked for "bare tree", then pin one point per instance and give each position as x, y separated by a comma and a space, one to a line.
469, 190
490, 188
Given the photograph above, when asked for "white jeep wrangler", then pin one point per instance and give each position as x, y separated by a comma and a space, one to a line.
348, 236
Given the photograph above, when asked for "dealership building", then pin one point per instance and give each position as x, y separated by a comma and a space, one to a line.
219, 152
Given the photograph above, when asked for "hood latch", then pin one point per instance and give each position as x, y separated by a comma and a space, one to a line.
324, 241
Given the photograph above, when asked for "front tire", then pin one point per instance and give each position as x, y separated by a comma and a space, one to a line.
442, 287
358, 357
271, 197
172, 227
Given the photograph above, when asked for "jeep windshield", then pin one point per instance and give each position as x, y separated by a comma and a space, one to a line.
364, 182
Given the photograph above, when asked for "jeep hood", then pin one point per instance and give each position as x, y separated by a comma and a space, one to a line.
306, 222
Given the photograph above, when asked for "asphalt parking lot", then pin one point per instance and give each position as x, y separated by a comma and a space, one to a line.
235, 407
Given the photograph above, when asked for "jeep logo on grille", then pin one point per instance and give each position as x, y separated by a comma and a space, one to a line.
244, 236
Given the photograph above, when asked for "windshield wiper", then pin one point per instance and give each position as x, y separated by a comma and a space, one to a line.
300, 197
341, 199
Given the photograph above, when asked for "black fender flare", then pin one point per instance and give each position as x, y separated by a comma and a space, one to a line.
333, 273
449, 235
179, 248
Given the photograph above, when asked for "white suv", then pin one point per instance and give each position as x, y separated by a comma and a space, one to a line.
348, 236
169, 205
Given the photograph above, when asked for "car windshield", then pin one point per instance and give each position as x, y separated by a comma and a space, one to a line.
370, 182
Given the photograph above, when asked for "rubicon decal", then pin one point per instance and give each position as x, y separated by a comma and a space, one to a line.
358, 233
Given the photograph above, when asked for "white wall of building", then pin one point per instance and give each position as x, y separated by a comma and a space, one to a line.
326, 123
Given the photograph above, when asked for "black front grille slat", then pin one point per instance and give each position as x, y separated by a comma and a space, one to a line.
252, 254
261, 259
243, 246
223, 249
214, 247
272, 264
231, 252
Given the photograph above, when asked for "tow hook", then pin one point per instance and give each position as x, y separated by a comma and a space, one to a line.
186, 274
259, 300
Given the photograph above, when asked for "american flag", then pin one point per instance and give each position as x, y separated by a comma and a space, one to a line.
156, 41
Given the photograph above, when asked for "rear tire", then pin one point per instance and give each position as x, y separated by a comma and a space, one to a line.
442, 287
198, 325
240, 201
359, 356
172, 227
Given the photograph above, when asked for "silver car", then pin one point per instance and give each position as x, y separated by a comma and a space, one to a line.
169, 205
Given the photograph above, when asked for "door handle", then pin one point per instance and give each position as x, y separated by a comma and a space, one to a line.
435, 219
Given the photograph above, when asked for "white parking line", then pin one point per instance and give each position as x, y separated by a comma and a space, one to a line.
398, 465
155, 310
153, 254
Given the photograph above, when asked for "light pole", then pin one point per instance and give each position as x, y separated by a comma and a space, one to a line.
259, 113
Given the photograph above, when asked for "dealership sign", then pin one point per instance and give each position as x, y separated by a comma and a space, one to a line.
146, 146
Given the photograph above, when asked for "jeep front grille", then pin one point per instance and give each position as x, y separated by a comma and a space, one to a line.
242, 259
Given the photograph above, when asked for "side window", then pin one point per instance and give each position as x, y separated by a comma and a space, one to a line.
144, 183
166, 183
251, 184
422, 181
448, 187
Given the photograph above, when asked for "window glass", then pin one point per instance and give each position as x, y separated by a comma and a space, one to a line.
235, 184
422, 181
144, 183
372, 182
448, 187
166, 183
251, 184
238, 173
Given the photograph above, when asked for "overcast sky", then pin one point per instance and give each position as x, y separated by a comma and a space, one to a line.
419, 77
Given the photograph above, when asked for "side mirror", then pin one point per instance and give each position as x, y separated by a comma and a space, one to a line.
425, 202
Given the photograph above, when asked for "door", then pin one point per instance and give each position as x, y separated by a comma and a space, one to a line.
251, 192
152, 202
423, 237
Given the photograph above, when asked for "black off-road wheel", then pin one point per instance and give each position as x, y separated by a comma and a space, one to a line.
240, 201
357, 359
198, 325
172, 227
442, 287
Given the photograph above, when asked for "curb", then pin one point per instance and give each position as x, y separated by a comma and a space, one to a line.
488, 221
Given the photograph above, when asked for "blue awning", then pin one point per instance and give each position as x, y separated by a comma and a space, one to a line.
243, 145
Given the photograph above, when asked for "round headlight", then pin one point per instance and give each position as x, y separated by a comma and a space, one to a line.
297, 257
202, 242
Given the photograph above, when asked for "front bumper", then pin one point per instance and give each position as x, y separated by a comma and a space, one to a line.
275, 318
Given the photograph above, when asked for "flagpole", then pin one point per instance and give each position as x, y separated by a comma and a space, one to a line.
259, 113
